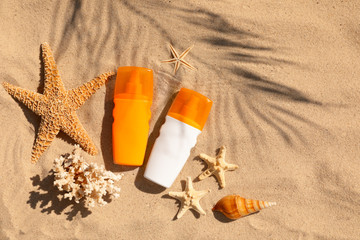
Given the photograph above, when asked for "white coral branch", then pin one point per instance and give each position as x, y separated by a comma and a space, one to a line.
82, 180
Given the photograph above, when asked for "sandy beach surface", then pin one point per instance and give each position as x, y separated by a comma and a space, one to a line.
284, 79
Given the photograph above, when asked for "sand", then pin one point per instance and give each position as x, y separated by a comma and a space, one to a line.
284, 80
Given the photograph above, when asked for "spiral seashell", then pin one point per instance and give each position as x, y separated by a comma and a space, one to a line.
234, 206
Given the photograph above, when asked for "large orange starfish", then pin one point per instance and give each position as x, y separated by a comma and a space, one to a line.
57, 106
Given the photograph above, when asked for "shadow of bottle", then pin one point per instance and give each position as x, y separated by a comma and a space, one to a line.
106, 131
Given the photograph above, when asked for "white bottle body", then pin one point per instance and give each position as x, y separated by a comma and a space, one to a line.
170, 152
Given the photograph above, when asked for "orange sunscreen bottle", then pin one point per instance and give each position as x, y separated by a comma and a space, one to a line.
132, 98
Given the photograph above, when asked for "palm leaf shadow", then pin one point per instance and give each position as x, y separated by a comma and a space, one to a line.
237, 45
336, 191
257, 90
242, 46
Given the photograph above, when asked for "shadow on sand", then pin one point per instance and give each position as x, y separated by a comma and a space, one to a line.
266, 100
257, 101
46, 197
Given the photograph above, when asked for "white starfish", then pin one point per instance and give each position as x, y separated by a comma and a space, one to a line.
178, 59
190, 198
217, 166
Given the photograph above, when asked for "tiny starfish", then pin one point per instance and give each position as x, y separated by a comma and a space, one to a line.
217, 166
179, 59
57, 106
189, 198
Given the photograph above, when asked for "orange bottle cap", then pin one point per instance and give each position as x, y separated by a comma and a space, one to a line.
191, 108
134, 83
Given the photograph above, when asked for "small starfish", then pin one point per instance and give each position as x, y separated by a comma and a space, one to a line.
57, 106
189, 198
217, 166
179, 59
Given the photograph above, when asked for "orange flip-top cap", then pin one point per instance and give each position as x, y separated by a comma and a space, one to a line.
134, 83
191, 108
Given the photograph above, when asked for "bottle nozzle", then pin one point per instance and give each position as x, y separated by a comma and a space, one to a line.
134, 83
134, 86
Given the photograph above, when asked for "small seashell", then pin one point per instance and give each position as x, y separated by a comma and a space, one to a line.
234, 206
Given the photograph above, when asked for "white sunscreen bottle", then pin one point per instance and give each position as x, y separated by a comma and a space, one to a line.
184, 122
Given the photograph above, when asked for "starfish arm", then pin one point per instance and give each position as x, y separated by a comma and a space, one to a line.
46, 134
173, 51
222, 153
78, 96
72, 127
197, 207
207, 173
177, 195
209, 160
52, 76
169, 60
189, 185
185, 52
182, 211
31, 99
177, 65
188, 65
201, 194
231, 167
220, 176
